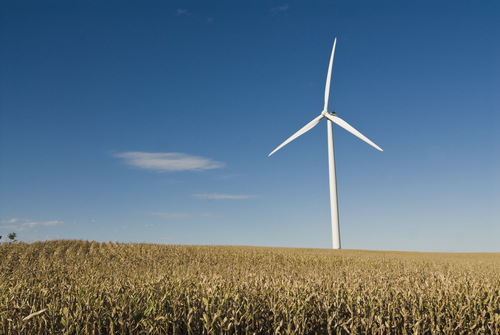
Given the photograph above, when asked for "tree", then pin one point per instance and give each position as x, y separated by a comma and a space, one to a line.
12, 236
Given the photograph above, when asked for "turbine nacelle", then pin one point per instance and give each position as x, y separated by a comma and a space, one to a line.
325, 112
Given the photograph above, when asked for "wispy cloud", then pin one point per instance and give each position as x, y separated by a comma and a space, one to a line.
167, 161
228, 176
283, 8
181, 11
217, 196
178, 216
25, 224
171, 216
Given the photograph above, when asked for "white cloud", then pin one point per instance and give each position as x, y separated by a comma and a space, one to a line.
283, 8
25, 224
182, 11
167, 161
173, 216
217, 196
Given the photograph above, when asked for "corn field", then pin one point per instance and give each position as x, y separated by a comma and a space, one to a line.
81, 287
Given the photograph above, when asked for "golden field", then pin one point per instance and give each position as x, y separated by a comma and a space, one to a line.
81, 287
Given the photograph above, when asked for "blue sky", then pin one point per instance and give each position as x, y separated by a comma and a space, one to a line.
152, 121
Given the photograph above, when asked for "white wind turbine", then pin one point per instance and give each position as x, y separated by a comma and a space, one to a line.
332, 117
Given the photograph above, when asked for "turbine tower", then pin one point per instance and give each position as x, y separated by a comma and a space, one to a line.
331, 117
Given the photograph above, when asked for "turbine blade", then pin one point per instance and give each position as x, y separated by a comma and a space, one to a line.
304, 129
351, 129
327, 88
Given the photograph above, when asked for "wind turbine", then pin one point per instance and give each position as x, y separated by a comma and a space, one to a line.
331, 117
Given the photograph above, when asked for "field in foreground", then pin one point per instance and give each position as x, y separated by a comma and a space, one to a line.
107, 288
